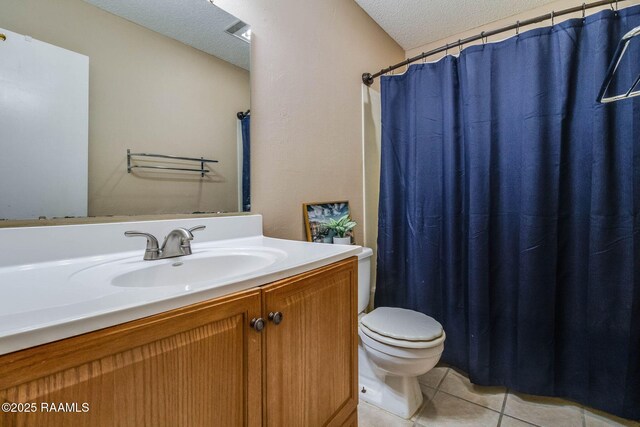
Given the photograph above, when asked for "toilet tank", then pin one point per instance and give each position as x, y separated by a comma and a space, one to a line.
364, 278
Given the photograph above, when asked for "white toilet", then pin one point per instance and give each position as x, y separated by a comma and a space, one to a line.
396, 346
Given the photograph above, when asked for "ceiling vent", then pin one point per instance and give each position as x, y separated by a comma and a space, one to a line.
240, 29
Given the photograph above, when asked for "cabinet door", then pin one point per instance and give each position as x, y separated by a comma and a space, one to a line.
194, 366
311, 374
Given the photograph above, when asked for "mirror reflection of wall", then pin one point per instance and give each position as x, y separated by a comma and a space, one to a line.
163, 77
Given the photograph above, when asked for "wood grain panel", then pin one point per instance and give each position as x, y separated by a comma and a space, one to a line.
311, 357
195, 366
352, 420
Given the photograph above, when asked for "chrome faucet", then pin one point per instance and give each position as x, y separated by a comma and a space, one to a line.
177, 243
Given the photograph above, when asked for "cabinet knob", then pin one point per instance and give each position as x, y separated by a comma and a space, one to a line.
257, 323
276, 317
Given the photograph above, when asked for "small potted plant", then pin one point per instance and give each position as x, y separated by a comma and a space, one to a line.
341, 227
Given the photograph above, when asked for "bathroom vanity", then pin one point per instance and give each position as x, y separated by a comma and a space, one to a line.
275, 346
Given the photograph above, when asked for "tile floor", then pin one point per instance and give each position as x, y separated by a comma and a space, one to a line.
451, 400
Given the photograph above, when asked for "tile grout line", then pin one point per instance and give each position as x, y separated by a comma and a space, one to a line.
460, 398
504, 403
468, 401
501, 412
504, 406
524, 421
435, 392
377, 408
424, 405
442, 380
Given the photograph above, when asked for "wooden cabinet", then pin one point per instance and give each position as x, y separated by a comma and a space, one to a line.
310, 379
195, 366
203, 365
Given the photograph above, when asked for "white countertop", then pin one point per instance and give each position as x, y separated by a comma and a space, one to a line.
47, 300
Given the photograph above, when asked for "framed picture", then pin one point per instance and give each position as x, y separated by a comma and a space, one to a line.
317, 214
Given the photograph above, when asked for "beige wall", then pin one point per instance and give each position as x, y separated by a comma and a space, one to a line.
306, 104
148, 93
557, 5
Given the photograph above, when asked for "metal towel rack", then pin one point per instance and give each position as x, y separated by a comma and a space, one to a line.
201, 160
633, 90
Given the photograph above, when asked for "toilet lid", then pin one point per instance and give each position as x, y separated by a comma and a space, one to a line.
402, 324
378, 341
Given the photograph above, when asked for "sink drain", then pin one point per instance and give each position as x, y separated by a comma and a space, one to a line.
177, 264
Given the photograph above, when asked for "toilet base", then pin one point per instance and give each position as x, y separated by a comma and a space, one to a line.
400, 396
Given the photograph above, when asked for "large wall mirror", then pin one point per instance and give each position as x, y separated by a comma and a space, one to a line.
133, 107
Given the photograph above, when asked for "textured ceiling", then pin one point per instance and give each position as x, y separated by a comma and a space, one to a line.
196, 23
413, 23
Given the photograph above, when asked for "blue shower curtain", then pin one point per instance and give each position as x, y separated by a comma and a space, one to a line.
245, 123
509, 211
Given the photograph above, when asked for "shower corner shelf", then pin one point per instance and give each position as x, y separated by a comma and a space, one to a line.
200, 160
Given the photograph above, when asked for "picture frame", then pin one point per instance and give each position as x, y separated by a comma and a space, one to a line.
315, 214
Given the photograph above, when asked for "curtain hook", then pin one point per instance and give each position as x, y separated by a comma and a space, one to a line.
459, 46
483, 38
517, 28
553, 16
584, 10
424, 58
446, 50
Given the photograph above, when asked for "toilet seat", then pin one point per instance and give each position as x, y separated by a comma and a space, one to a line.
402, 343
406, 353
402, 327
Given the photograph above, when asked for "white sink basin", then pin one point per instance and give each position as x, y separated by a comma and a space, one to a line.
185, 271
203, 268
63, 281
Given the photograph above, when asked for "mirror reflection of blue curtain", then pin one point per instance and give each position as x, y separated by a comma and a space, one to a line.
509, 211
245, 123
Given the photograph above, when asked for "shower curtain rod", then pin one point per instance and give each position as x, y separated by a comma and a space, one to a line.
367, 78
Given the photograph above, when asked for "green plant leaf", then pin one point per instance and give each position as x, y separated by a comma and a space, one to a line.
342, 226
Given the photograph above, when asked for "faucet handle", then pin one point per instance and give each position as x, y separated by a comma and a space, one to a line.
197, 228
152, 251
